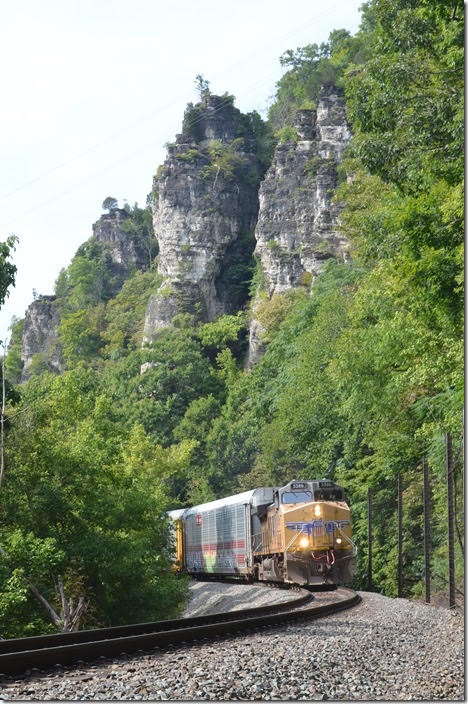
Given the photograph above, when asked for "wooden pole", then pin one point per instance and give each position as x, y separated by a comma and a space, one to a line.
427, 536
369, 540
400, 537
450, 518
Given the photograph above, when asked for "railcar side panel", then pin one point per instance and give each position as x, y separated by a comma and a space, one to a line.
217, 540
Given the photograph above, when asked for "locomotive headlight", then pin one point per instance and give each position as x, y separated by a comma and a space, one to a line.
318, 510
338, 541
304, 542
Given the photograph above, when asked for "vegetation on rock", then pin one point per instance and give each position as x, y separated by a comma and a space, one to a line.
361, 378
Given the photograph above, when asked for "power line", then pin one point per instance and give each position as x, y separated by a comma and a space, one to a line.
124, 159
127, 127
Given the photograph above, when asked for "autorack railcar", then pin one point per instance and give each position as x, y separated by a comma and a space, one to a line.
299, 533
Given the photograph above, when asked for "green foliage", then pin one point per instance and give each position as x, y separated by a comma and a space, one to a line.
272, 311
13, 361
80, 335
194, 427
25, 559
312, 166
87, 280
202, 86
406, 103
82, 489
191, 124
222, 331
92, 278
110, 203
125, 313
309, 69
264, 138
190, 157
177, 373
223, 154
287, 134
257, 283
361, 378
224, 159
139, 227
7, 268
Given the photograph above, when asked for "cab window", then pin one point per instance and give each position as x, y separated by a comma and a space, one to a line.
329, 495
295, 497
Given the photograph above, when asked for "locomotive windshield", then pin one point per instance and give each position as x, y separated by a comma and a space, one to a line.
329, 495
296, 497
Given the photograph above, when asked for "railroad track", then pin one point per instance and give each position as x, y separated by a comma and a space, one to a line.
20, 654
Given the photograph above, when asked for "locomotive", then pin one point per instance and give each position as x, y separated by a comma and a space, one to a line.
299, 533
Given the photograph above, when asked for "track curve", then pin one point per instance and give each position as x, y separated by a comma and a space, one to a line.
20, 654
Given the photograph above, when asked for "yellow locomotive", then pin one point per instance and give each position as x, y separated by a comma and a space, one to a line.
299, 533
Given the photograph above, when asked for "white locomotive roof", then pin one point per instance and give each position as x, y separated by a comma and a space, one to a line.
176, 513
243, 498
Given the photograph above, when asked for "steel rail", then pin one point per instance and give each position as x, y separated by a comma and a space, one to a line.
21, 654
48, 641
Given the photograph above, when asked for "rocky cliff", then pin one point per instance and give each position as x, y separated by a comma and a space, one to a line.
205, 210
209, 216
123, 248
40, 337
297, 228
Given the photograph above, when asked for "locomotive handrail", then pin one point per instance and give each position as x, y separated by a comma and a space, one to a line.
256, 547
348, 539
295, 537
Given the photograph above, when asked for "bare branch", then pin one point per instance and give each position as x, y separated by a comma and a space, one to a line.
56, 620
80, 611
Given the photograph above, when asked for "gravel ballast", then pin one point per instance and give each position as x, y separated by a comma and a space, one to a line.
208, 598
383, 649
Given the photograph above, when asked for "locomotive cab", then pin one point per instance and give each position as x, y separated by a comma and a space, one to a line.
307, 535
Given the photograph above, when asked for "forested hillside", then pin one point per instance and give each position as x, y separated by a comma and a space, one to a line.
361, 378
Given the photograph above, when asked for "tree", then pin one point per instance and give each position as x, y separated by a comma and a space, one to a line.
83, 510
110, 203
140, 228
406, 104
13, 362
202, 86
177, 373
7, 268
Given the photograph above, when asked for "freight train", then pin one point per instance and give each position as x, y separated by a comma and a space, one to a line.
299, 533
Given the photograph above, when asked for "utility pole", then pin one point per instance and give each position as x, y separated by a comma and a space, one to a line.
427, 536
369, 540
450, 518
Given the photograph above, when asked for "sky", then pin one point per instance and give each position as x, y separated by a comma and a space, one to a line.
93, 89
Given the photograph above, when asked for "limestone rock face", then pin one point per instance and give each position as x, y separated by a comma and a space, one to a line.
40, 336
256, 345
124, 251
297, 223
205, 210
